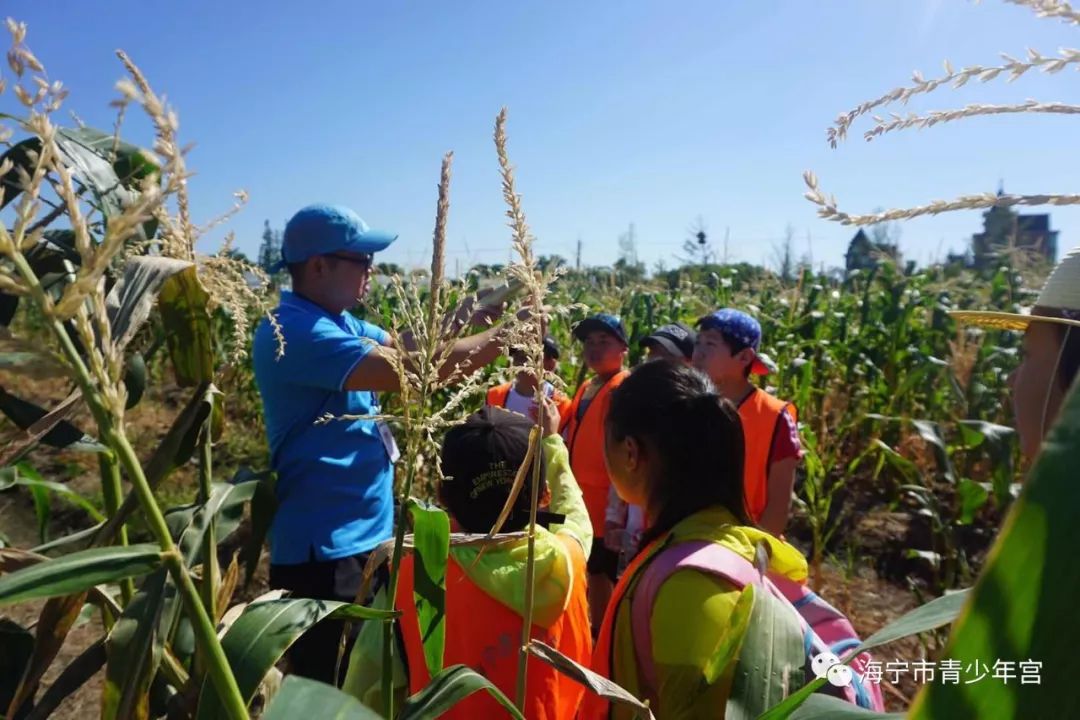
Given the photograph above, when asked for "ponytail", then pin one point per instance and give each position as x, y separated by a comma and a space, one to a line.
694, 434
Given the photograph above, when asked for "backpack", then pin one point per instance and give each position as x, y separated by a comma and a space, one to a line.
825, 629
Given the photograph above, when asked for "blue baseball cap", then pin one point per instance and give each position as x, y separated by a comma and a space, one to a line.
604, 323
325, 229
740, 327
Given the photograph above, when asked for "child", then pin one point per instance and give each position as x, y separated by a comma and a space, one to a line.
605, 346
674, 446
670, 342
727, 351
520, 396
485, 592
1051, 352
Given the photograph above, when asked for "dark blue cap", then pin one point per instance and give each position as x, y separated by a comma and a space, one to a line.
603, 322
325, 229
676, 338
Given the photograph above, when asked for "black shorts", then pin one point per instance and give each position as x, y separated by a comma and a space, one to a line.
603, 560
314, 655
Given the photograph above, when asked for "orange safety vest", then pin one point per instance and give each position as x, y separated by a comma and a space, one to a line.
497, 396
760, 416
595, 707
484, 634
585, 441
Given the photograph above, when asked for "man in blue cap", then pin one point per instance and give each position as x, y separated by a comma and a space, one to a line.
334, 481
727, 351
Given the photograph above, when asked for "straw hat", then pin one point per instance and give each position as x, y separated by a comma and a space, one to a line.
1061, 292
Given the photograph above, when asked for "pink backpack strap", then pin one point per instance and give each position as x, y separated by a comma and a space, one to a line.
703, 555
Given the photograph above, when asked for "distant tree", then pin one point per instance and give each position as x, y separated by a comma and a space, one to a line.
697, 248
270, 248
546, 262
387, 269
485, 271
627, 273
784, 255
235, 254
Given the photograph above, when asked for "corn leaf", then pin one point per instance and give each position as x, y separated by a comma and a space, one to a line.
132, 298
1023, 605
262, 634
77, 572
595, 682
934, 614
771, 659
75, 538
188, 524
431, 540
825, 707
300, 697
447, 689
63, 435
93, 170
26, 476
134, 649
174, 450
263, 507
20, 155
184, 306
54, 623
16, 647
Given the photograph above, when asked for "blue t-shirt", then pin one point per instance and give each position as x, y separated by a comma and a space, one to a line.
335, 480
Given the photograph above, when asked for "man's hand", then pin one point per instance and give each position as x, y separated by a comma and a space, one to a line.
478, 313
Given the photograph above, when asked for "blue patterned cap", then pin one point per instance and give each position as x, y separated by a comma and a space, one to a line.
741, 327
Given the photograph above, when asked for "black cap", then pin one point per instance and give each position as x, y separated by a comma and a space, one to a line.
676, 338
551, 348
480, 458
603, 322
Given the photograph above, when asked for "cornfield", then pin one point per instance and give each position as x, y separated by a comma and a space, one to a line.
901, 412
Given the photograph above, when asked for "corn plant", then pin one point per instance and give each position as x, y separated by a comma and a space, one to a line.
1007, 615
98, 232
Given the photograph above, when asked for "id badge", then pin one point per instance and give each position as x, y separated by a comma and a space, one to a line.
388, 440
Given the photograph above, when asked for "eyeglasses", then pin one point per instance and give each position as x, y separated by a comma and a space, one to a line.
363, 260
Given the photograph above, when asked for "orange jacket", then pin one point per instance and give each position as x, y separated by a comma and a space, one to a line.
496, 397
585, 439
760, 416
485, 634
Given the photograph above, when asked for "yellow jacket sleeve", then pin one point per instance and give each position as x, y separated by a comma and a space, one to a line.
566, 497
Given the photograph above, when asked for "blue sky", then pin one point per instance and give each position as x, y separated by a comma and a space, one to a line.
642, 112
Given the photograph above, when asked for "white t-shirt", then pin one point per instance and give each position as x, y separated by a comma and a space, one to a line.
516, 402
